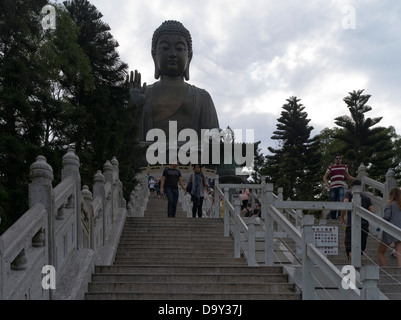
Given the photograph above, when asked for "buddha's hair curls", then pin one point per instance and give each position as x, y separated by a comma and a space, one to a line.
172, 27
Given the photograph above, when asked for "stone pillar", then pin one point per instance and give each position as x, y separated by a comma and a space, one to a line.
356, 225
71, 169
117, 202
98, 191
369, 278
115, 164
267, 194
41, 191
216, 198
251, 243
108, 175
108, 172
87, 207
226, 213
389, 184
237, 235
308, 282
361, 172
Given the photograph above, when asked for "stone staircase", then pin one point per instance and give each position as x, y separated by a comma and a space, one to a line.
181, 258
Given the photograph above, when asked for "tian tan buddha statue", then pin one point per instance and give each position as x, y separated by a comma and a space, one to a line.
171, 98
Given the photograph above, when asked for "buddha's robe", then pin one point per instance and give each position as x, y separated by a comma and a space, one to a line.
197, 112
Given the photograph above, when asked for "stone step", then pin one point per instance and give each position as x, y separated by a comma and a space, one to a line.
172, 246
180, 260
188, 236
192, 287
185, 277
143, 249
204, 269
192, 296
179, 242
175, 255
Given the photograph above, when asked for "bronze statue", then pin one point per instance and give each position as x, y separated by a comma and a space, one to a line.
171, 98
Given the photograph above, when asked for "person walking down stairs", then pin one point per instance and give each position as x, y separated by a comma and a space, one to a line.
169, 184
198, 184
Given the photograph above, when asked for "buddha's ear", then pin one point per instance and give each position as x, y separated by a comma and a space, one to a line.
157, 71
186, 72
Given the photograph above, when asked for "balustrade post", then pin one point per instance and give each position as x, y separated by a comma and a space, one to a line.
262, 197
356, 227
71, 169
361, 173
369, 278
237, 236
308, 282
108, 214
226, 213
251, 243
389, 184
116, 173
98, 191
269, 223
87, 207
216, 198
41, 191
140, 199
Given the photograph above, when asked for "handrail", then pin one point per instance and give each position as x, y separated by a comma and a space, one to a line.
294, 233
235, 223
331, 271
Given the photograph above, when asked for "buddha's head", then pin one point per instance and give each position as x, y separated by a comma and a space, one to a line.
172, 50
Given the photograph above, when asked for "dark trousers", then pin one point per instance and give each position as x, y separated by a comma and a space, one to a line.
172, 199
364, 238
197, 206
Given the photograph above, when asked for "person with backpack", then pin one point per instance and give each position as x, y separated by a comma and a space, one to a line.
367, 204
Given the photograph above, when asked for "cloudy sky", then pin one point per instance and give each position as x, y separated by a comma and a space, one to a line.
252, 55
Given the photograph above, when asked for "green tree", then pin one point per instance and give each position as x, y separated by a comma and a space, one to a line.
362, 141
106, 126
295, 163
20, 32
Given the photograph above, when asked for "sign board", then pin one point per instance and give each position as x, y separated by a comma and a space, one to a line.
326, 239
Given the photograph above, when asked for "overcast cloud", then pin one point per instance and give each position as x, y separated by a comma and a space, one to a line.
251, 55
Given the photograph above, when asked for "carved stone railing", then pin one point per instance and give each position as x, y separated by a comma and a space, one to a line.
66, 228
273, 220
138, 199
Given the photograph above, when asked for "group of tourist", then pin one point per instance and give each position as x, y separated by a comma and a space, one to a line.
197, 186
392, 211
154, 187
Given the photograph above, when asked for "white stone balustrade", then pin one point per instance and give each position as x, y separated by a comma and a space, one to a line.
65, 227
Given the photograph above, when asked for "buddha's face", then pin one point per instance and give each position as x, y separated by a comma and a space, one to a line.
171, 56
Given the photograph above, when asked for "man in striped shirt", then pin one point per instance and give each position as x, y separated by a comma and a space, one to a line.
337, 173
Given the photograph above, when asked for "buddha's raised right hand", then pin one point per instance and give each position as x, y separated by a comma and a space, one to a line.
137, 92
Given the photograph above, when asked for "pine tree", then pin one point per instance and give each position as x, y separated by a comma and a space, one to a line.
38, 69
107, 126
295, 163
19, 35
364, 143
